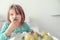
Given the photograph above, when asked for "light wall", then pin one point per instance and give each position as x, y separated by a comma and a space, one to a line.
40, 12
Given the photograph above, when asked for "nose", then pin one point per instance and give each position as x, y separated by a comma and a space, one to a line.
14, 16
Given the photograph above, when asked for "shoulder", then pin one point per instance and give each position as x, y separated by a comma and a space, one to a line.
5, 25
25, 24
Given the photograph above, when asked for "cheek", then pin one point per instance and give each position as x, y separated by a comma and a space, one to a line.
19, 18
11, 18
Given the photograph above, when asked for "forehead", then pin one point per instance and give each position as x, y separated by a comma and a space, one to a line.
12, 11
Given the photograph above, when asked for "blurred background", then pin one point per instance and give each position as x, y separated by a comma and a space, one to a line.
42, 15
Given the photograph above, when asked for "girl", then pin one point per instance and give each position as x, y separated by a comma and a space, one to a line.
16, 24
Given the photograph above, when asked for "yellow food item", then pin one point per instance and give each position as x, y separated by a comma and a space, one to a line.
36, 37
29, 37
32, 36
46, 36
43, 33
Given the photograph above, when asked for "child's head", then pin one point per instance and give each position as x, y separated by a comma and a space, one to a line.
16, 13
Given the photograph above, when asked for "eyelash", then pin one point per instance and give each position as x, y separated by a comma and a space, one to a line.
12, 14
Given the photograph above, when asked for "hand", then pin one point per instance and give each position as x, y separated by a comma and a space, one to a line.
13, 25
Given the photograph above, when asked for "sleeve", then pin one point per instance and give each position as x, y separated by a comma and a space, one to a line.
2, 34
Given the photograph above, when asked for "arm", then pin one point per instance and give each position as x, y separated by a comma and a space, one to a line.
2, 32
7, 30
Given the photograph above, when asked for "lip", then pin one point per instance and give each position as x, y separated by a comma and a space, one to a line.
15, 19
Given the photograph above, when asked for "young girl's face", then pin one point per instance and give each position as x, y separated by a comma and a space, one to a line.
14, 16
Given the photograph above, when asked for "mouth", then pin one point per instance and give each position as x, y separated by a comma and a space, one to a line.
14, 19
